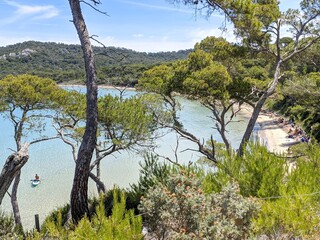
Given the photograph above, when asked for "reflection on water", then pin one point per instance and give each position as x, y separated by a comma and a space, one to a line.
53, 162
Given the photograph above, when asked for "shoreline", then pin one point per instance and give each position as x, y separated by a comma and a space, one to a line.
272, 134
103, 86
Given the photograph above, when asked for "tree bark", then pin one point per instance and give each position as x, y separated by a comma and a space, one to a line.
14, 202
100, 185
101, 188
257, 109
11, 168
79, 192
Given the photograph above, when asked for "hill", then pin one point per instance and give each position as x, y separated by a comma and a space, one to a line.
64, 62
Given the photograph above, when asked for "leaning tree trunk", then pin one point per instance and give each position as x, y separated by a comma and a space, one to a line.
257, 109
79, 192
14, 203
11, 168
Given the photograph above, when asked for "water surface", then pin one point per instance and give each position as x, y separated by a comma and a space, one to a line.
52, 160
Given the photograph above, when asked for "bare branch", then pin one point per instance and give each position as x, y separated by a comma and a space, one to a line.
93, 6
43, 139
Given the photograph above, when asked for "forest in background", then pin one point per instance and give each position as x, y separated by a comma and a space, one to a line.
248, 194
64, 62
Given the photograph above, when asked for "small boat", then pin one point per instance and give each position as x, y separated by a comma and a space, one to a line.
35, 182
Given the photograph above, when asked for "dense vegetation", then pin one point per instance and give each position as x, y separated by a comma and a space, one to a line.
244, 193
64, 62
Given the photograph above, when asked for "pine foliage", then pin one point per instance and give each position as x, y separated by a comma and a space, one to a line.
122, 224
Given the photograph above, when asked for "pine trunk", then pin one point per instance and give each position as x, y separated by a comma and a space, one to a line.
11, 168
79, 192
14, 203
257, 109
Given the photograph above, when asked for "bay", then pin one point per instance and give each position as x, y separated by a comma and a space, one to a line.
52, 160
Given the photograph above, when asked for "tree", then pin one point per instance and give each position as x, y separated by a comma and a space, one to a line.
210, 60
79, 192
259, 23
212, 74
123, 124
305, 30
164, 80
21, 98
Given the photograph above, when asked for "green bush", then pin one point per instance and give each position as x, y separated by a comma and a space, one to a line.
294, 213
152, 171
7, 227
258, 173
290, 217
122, 224
179, 209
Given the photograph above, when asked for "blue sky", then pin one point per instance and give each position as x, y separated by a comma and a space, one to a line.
141, 25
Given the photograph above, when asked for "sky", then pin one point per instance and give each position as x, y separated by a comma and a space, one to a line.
141, 25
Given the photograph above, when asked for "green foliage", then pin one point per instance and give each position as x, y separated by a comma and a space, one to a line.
152, 171
157, 79
26, 90
305, 176
258, 173
249, 17
300, 101
207, 78
122, 224
179, 209
21, 98
64, 63
7, 227
289, 218
295, 211
125, 122
122, 75
55, 221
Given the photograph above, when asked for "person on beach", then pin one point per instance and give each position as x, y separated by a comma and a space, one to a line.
36, 177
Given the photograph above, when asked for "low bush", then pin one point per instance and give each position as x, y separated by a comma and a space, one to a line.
179, 209
121, 224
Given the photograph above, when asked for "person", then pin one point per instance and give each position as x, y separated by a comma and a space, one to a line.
37, 177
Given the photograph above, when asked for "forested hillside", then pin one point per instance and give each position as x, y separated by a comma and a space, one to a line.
64, 62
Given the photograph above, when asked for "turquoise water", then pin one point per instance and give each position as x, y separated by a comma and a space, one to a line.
52, 160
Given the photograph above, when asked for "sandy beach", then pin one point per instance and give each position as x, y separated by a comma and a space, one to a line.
272, 134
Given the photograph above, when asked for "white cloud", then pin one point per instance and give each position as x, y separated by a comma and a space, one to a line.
31, 12
138, 35
163, 43
152, 6
148, 44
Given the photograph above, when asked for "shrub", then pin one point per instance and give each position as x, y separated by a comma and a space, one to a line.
179, 209
290, 217
152, 171
258, 173
7, 227
294, 213
122, 224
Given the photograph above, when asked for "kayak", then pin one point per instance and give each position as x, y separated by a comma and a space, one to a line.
35, 182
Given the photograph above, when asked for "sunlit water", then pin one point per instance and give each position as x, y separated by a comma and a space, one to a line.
52, 160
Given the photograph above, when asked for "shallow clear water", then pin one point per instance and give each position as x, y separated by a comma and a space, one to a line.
52, 160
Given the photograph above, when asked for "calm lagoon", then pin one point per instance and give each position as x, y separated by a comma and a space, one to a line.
52, 160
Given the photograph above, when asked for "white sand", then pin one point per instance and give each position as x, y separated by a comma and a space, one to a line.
274, 134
